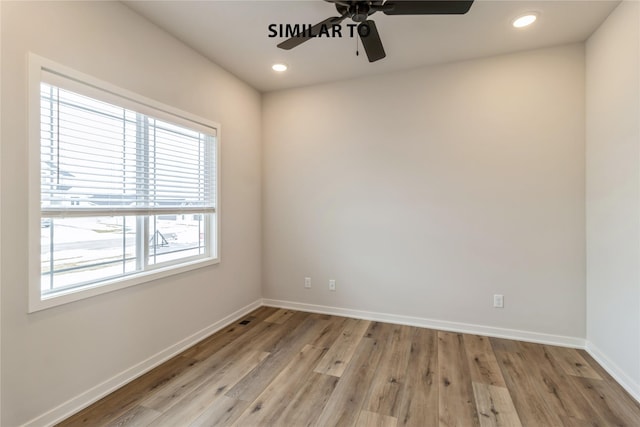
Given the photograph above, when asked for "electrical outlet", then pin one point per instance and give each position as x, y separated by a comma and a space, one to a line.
498, 301
307, 282
332, 285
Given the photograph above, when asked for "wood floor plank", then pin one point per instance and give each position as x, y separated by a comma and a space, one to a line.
385, 393
262, 336
240, 336
330, 332
267, 338
281, 332
325, 316
268, 406
574, 422
119, 402
607, 403
345, 403
572, 363
193, 404
483, 365
258, 379
620, 393
309, 401
456, 402
280, 316
525, 390
174, 390
221, 412
371, 419
226, 335
138, 416
200, 371
263, 312
419, 405
336, 359
554, 383
595, 366
502, 345
377, 330
495, 407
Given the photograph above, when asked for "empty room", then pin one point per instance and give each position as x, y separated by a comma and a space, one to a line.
320, 213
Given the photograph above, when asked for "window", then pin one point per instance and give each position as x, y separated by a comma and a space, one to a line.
123, 189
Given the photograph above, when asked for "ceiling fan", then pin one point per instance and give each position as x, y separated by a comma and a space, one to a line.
359, 12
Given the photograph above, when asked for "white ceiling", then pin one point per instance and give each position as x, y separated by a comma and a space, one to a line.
234, 35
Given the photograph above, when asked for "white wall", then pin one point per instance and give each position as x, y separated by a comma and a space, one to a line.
0, 217
54, 355
423, 193
613, 193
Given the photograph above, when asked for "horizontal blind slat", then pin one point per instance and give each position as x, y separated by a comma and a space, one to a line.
51, 212
84, 146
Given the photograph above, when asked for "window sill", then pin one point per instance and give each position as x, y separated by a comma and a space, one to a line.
37, 303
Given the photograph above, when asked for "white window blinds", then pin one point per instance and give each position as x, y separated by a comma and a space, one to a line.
108, 158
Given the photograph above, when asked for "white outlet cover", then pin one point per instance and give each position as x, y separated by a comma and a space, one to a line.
332, 285
307, 282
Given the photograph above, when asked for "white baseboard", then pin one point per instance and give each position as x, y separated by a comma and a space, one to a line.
92, 395
632, 387
442, 325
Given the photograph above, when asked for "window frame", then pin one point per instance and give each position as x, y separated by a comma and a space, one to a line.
104, 91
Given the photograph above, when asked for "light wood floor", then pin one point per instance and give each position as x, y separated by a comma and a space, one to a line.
290, 368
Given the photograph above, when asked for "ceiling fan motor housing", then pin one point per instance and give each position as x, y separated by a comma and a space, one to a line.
358, 11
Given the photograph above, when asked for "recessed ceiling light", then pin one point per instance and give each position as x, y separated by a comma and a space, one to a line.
525, 20
279, 67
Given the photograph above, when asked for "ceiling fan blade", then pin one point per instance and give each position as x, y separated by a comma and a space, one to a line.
340, 2
308, 35
371, 41
426, 7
